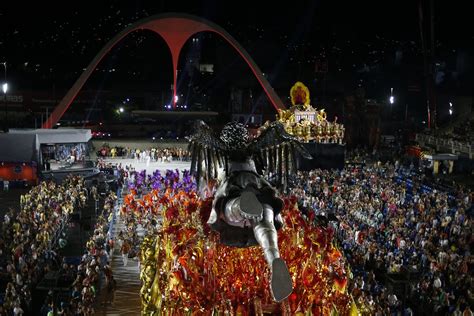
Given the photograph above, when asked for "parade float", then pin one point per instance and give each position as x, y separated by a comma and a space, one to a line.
323, 138
233, 245
185, 270
306, 122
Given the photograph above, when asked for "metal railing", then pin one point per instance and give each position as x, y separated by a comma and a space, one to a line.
450, 144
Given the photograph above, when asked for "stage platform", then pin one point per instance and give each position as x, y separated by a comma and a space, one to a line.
60, 174
325, 156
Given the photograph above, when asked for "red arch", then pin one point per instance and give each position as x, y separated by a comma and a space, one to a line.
175, 29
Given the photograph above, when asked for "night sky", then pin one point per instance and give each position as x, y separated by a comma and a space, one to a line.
370, 44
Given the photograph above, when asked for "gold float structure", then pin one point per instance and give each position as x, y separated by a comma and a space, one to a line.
308, 123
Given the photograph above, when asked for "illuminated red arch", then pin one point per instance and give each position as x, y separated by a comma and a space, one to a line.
175, 29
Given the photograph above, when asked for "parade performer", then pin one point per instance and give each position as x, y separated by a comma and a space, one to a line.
246, 207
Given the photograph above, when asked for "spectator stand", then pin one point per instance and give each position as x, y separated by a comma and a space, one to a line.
94, 256
405, 235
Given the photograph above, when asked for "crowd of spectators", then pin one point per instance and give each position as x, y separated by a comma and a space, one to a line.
31, 237
92, 269
462, 132
389, 224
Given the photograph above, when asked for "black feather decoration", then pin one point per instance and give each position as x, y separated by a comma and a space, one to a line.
204, 160
272, 160
275, 161
280, 164
209, 163
199, 167
193, 158
226, 165
259, 162
267, 162
293, 157
214, 163
218, 164
263, 159
219, 158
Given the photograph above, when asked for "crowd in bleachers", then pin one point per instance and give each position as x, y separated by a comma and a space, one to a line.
390, 224
92, 269
30, 248
30, 238
462, 131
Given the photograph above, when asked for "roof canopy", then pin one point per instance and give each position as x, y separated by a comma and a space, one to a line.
56, 136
